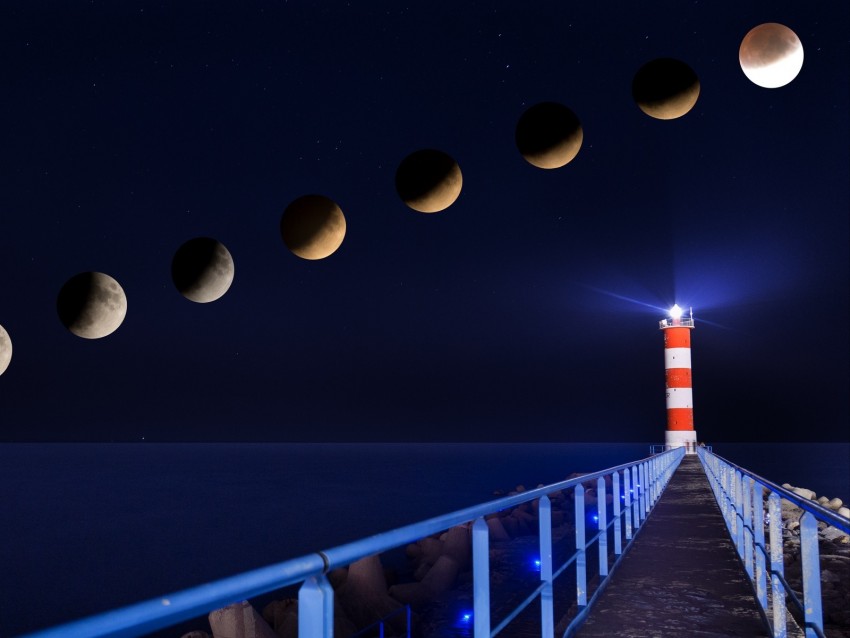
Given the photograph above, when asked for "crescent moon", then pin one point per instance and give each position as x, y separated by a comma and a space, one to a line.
665, 88
91, 305
202, 269
549, 135
5, 350
313, 227
428, 181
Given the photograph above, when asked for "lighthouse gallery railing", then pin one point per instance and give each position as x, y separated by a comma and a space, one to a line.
641, 486
741, 496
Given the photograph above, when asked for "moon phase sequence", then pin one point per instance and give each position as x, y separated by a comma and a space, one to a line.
312, 227
665, 88
428, 181
202, 269
5, 349
549, 135
771, 55
91, 305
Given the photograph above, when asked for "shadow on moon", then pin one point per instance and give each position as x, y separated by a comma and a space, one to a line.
202, 269
549, 135
91, 305
428, 181
665, 88
313, 227
771, 55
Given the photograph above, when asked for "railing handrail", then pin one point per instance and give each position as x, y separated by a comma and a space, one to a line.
829, 516
740, 495
157, 613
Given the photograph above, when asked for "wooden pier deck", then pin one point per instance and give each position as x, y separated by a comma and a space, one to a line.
682, 576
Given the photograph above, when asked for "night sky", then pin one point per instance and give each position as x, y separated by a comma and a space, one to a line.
528, 310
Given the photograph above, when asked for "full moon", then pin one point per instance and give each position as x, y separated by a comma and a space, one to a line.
312, 227
549, 135
5, 349
91, 305
428, 181
771, 55
202, 269
665, 88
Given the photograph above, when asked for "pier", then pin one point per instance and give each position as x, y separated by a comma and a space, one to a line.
682, 576
670, 545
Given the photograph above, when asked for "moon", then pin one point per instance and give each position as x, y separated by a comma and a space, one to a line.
5, 349
665, 88
91, 305
428, 181
549, 135
771, 55
312, 227
202, 269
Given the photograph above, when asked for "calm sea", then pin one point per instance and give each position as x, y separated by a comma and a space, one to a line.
88, 527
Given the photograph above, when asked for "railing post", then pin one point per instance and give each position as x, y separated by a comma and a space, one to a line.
581, 559
636, 495
739, 521
315, 608
758, 526
627, 501
643, 509
811, 573
547, 610
747, 505
602, 517
777, 565
618, 541
480, 578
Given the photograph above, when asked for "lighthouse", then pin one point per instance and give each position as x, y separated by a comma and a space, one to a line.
677, 366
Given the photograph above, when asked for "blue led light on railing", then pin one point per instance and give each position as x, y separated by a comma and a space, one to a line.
466, 617
536, 564
595, 518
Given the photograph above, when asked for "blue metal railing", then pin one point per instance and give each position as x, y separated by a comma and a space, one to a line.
741, 496
642, 484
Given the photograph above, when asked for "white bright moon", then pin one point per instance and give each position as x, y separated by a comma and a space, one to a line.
771, 55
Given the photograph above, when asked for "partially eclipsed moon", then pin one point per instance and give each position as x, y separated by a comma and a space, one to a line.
549, 135
91, 305
771, 55
202, 269
5, 349
312, 227
665, 88
428, 181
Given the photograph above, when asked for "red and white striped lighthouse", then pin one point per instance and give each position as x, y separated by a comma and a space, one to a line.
677, 365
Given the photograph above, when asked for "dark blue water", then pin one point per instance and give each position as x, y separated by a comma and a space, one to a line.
88, 527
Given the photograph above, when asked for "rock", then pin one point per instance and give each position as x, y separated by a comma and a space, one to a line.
844, 511
196, 634
337, 577
835, 504
831, 533
804, 493
239, 620
823, 500
458, 545
282, 616
497, 530
788, 486
364, 597
439, 578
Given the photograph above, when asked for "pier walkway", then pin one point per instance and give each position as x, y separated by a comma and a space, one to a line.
682, 576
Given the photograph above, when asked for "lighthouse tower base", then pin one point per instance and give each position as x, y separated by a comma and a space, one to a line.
681, 438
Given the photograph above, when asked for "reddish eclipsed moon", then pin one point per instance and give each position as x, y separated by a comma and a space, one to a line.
428, 181
771, 55
312, 227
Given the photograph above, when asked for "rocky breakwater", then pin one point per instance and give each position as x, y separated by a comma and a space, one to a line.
834, 548
437, 577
